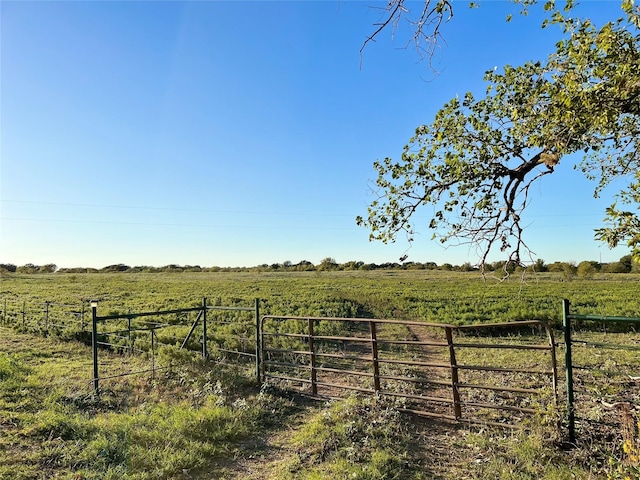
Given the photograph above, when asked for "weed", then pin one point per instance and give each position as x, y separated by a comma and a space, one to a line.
626, 466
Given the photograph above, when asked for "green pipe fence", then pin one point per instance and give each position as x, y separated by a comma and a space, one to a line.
568, 325
153, 327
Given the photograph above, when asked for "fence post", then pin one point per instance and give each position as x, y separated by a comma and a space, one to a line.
205, 353
457, 411
314, 379
94, 343
24, 313
258, 346
263, 353
4, 312
129, 335
46, 315
153, 354
566, 327
374, 355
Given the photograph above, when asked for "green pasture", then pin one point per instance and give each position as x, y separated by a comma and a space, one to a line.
434, 296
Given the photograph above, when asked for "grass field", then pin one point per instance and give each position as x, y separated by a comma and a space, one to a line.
434, 296
197, 421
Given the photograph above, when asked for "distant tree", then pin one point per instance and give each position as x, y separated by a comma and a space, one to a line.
48, 268
73, 270
328, 263
489, 267
540, 266
171, 268
28, 268
119, 267
478, 159
627, 263
388, 266
614, 267
624, 265
305, 266
586, 269
8, 267
569, 271
413, 266
497, 266
352, 265
501, 266
556, 267
467, 267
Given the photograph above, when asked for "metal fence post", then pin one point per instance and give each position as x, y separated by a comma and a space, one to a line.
314, 374
46, 315
153, 354
566, 327
205, 353
374, 356
94, 343
457, 411
263, 354
258, 346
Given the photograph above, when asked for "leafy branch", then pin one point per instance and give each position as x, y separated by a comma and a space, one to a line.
475, 163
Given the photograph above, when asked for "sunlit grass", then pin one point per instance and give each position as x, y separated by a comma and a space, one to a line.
435, 296
52, 422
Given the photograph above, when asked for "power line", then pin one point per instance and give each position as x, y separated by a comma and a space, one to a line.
178, 209
151, 224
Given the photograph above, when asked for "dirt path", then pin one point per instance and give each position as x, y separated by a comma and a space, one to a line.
268, 453
273, 454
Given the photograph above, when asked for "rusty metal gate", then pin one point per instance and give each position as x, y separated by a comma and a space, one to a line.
438, 370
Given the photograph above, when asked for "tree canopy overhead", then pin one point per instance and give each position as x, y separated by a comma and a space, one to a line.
476, 162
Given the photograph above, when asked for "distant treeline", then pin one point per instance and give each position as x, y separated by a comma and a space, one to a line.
583, 269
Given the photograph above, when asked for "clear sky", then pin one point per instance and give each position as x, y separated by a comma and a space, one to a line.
239, 133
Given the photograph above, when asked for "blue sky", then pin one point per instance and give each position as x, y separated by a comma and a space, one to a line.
239, 133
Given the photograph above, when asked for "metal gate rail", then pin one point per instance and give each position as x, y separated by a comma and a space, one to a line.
367, 357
